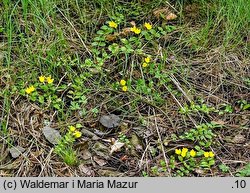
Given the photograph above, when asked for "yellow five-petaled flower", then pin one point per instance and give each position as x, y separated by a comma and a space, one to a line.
178, 151
192, 153
144, 65
135, 30
208, 154
77, 134
123, 82
50, 80
211, 154
124, 88
112, 24
147, 60
72, 128
148, 26
30, 89
42, 79
184, 152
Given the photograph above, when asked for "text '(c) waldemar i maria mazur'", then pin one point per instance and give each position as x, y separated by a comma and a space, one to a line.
78, 184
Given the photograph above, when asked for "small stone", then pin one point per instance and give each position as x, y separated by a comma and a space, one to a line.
16, 151
52, 135
110, 121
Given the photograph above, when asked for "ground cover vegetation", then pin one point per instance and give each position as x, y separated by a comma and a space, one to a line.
124, 88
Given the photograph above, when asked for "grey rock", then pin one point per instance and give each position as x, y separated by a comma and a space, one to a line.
110, 121
52, 135
16, 151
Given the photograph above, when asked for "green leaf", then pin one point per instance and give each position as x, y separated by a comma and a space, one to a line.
97, 39
197, 148
125, 41
245, 172
152, 31
157, 35
94, 44
245, 107
33, 98
170, 28
211, 162
224, 168
102, 44
41, 99
105, 27
148, 37
100, 32
56, 106
123, 49
79, 125
180, 158
204, 164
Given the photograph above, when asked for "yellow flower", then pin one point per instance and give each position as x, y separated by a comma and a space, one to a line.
42, 79
77, 134
178, 151
135, 30
123, 82
184, 152
72, 128
144, 65
206, 154
50, 80
211, 154
30, 89
148, 26
147, 60
192, 153
112, 24
124, 88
